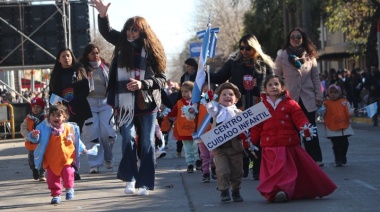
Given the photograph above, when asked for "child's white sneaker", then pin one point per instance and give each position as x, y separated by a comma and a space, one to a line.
69, 193
143, 192
160, 153
130, 188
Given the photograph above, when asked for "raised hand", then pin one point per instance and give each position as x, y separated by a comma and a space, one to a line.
100, 7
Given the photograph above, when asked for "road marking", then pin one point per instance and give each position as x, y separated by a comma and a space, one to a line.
366, 185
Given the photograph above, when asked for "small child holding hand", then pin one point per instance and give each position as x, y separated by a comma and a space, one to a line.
337, 123
184, 128
36, 116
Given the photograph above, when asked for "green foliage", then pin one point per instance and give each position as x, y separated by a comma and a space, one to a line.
265, 22
357, 19
351, 17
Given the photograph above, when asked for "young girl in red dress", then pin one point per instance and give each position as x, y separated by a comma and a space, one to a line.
287, 172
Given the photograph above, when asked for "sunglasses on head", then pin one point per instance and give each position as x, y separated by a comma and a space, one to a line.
133, 29
247, 48
293, 37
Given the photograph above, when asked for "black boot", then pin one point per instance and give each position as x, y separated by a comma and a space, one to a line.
76, 174
225, 196
35, 173
213, 173
344, 153
337, 154
245, 166
41, 176
236, 197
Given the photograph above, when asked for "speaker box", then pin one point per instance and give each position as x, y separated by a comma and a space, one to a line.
50, 36
10, 14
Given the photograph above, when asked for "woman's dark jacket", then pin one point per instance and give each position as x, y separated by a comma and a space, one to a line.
79, 108
232, 71
153, 83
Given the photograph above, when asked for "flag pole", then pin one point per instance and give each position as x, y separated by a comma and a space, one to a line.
208, 71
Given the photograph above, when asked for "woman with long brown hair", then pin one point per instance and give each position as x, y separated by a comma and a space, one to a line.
137, 75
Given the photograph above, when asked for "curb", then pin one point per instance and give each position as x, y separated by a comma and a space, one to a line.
365, 120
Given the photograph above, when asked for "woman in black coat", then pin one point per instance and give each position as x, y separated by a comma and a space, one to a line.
69, 81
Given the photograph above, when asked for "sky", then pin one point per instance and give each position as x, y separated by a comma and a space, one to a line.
171, 20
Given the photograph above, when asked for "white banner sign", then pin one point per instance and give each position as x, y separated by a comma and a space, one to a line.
236, 125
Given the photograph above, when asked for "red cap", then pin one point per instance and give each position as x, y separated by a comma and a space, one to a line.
38, 101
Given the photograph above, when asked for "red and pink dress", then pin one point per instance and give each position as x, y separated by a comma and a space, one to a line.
285, 165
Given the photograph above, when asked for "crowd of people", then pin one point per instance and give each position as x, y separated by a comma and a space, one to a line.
134, 97
361, 87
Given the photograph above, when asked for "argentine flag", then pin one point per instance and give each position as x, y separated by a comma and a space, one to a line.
207, 50
371, 109
55, 98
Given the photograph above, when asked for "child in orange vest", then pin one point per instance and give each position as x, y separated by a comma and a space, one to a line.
58, 149
337, 123
184, 128
35, 117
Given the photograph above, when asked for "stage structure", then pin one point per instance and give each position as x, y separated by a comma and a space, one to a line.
32, 32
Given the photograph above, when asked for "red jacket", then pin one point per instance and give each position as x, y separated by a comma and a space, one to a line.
283, 127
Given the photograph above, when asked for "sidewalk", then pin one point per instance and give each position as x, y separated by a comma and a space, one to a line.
365, 120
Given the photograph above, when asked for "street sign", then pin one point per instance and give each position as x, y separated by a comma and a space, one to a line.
195, 49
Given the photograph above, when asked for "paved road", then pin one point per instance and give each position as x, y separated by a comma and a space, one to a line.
358, 184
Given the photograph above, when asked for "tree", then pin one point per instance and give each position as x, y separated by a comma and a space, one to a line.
228, 16
358, 20
264, 20
271, 20
105, 48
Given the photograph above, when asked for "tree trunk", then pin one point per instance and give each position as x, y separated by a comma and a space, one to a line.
285, 12
306, 17
371, 46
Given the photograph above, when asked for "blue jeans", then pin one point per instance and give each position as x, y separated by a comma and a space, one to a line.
128, 170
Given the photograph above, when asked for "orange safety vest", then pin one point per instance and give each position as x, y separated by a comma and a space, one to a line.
165, 124
202, 112
59, 152
30, 126
183, 126
337, 116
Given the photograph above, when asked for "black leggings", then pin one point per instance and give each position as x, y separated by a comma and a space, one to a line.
312, 147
